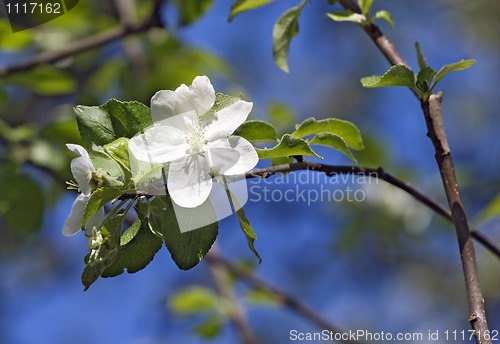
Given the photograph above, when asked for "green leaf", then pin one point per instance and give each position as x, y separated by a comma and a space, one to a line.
240, 6
422, 63
131, 232
256, 131
242, 219
100, 125
13, 41
187, 249
426, 74
262, 297
282, 116
348, 16
47, 154
289, 145
210, 328
334, 141
118, 151
191, 10
22, 201
98, 199
424, 78
490, 211
138, 246
45, 80
101, 258
281, 160
247, 229
345, 129
286, 28
398, 75
365, 5
464, 64
104, 124
384, 15
193, 300
222, 101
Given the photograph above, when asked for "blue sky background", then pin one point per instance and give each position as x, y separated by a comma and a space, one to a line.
408, 281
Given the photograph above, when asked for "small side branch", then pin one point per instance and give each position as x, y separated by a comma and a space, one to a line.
285, 299
86, 43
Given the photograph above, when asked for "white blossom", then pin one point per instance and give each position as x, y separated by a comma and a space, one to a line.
194, 140
82, 169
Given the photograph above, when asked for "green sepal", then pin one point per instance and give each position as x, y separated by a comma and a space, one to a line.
255, 131
289, 145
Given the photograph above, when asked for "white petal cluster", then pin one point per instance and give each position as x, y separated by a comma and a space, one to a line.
195, 141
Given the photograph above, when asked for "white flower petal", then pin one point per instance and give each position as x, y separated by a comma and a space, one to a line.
235, 155
189, 181
196, 99
201, 94
225, 122
82, 168
158, 144
96, 220
77, 149
74, 221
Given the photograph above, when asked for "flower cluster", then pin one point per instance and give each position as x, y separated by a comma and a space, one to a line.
189, 146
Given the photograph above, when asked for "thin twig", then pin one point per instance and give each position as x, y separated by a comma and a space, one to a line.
374, 173
376, 35
436, 132
87, 43
223, 284
284, 298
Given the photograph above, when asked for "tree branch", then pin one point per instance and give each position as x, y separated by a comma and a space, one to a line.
374, 173
87, 43
437, 134
284, 298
